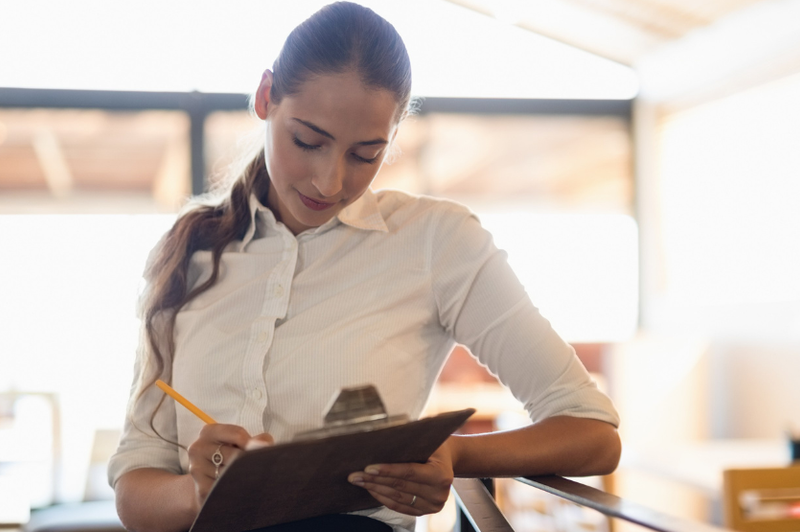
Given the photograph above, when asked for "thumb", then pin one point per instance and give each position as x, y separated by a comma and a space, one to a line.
260, 441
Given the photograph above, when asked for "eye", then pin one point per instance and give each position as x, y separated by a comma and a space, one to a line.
302, 145
365, 160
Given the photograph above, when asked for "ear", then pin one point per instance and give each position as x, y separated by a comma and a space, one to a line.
261, 101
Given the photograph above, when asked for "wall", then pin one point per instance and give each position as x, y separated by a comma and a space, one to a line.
754, 388
721, 247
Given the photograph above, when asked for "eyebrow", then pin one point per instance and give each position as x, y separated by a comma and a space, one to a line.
324, 133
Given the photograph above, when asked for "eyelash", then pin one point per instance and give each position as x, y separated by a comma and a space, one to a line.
367, 161
308, 147
303, 146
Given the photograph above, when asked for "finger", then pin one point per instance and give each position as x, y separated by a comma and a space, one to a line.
222, 457
213, 436
220, 433
264, 437
429, 498
208, 468
227, 439
420, 473
390, 486
403, 504
402, 491
260, 441
399, 475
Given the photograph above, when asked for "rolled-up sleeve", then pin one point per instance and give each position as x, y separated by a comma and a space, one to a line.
139, 446
485, 307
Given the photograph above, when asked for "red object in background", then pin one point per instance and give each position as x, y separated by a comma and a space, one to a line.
794, 511
462, 367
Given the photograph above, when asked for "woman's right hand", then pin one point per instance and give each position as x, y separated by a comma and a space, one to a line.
230, 441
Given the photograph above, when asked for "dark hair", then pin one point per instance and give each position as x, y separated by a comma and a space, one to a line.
340, 37
344, 37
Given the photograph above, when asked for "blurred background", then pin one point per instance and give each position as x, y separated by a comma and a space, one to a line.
639, 160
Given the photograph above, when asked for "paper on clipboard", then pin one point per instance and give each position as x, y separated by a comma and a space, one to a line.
308, 478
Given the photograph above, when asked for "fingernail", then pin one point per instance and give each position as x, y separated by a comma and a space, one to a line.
372, 470
358, 480
256, 444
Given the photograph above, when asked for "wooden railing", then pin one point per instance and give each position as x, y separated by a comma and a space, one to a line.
479, 512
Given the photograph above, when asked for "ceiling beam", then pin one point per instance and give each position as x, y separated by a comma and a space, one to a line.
746, 48
513, 106
54, 164
567, 23
120, 100
206, 103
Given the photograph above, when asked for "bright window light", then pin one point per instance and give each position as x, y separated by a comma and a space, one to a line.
729, 192
580, 270
69, 290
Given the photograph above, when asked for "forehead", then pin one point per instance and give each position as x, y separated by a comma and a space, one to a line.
344, 106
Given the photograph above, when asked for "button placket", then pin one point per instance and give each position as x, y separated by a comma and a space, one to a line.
284, 275
273, 283
274, 306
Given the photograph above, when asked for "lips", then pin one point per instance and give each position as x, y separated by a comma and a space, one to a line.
314, 205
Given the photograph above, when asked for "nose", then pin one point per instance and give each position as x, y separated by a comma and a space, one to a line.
329, 181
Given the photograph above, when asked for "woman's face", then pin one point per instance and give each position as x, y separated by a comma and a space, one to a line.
324, 145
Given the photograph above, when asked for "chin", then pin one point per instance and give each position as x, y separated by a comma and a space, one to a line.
312, 219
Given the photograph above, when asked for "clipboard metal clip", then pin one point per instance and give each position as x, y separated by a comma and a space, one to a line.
358, 409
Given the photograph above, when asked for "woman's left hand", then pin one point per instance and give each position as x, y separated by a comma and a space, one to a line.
413, 489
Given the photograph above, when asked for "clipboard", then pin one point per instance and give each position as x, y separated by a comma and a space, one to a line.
308, 478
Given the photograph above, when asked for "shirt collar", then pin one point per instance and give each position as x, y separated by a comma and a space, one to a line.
364, 214
361, 214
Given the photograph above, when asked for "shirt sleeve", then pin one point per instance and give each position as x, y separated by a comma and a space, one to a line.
485, 307
139, 445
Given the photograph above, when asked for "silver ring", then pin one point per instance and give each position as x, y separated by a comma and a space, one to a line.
413, 500
217, 459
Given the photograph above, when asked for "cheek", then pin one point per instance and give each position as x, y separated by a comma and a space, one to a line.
362, 178
284, 166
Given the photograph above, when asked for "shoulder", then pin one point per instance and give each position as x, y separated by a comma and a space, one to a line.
402, 209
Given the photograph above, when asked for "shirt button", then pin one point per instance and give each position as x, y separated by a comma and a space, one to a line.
278, 290
262, 336
256, 394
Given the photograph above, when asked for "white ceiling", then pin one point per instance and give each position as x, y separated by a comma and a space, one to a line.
185, 45
662, 50
622, 30
683, 51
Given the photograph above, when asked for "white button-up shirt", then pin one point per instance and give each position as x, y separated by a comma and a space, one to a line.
380, 294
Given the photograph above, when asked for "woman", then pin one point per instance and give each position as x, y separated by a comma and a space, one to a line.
301, 281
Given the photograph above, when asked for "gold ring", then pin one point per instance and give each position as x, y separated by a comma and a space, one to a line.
413, 500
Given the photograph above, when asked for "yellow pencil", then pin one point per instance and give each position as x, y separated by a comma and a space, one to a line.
182, 400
